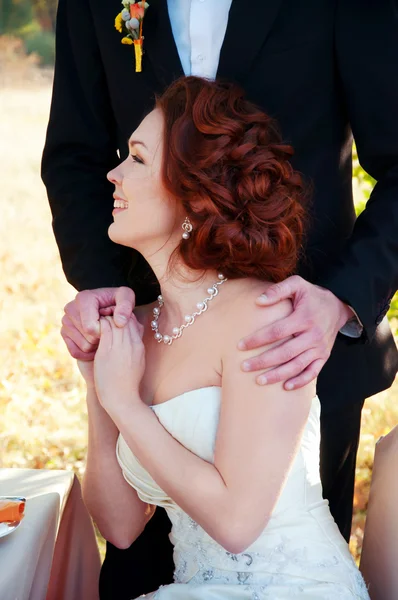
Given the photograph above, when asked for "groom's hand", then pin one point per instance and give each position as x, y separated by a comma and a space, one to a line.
80, 323
317, 317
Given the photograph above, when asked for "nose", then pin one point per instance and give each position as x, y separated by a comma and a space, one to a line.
114, 176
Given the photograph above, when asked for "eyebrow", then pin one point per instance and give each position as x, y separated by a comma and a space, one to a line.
135, 142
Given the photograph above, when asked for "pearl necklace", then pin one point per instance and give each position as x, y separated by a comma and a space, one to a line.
189, 319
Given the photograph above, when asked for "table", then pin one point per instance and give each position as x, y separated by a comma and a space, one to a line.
53, 555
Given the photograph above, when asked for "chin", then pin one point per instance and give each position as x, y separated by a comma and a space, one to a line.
118, 237
113, 235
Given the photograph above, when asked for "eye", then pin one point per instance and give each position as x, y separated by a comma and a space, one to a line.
136, 158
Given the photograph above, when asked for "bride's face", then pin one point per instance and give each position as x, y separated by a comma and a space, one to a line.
150, 218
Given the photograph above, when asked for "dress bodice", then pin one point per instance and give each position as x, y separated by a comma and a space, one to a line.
192, 419
301, 536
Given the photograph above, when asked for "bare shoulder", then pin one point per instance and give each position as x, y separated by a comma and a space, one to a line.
245, 316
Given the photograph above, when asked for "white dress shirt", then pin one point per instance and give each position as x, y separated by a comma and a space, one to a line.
199, 28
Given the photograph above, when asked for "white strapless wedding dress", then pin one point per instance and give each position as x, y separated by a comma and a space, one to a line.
300, 554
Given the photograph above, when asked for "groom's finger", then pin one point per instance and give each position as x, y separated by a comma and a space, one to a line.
74, 349
72, 319
274, 332
87, 306
89, 302
105, 312
125, 303
295, 368
281, 291
309, 374
280, 354
69, 330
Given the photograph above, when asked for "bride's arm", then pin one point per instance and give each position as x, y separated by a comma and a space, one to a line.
112, 503
380, 542
259, 432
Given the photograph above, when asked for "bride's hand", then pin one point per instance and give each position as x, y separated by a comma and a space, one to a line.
86, 368
119, 364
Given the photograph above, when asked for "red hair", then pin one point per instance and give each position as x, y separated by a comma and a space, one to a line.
225, 162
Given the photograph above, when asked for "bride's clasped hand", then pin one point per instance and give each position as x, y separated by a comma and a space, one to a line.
118, 366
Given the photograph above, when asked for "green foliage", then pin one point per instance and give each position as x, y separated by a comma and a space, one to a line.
43, 44
393, 312
34, 22
14, 15
363, 179
360, 206
46, 12
366, 183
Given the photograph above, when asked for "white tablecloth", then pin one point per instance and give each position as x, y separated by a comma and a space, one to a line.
53, 554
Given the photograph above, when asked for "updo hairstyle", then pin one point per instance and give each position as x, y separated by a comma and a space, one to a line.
225, 162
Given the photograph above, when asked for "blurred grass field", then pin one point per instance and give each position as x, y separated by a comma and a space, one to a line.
43, 422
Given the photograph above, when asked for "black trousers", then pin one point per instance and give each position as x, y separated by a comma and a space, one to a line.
148, 563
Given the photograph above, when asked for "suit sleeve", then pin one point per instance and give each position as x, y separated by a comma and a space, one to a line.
366, 273
80, 149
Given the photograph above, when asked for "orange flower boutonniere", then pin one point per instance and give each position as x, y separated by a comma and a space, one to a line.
129, 23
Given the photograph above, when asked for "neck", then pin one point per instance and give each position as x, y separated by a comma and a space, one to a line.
181, 289
181, 292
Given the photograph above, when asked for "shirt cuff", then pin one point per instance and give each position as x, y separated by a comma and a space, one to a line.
353, 328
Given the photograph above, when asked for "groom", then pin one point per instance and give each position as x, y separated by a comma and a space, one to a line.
322, 68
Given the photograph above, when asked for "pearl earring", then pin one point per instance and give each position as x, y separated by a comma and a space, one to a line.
187, 227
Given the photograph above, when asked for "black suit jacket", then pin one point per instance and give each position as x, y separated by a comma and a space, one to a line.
323, 69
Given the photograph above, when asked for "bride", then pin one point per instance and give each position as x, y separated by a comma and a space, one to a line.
208, 197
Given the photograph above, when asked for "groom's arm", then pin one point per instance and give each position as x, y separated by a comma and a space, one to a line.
80, 149
366, 274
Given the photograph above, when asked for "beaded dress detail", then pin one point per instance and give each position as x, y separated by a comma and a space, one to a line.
300, 553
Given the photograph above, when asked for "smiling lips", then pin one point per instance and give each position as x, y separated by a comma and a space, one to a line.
120, 204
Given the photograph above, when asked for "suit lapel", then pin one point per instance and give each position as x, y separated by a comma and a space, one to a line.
249, 24
159, 44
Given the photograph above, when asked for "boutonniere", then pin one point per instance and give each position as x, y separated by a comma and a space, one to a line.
129, 23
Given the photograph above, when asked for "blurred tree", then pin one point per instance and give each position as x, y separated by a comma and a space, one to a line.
41, 43
34, 22
19, 15
14, 15
366, 183
46, 12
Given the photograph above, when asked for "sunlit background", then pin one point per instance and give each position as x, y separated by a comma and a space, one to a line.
43, 422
